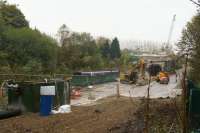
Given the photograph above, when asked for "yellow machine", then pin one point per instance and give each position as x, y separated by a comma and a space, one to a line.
137, 71
159, 74
129, 77
163, 77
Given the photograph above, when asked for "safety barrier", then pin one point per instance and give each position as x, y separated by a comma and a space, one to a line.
92, 78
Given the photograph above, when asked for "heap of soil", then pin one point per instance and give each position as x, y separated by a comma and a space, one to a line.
163, 118
110, 115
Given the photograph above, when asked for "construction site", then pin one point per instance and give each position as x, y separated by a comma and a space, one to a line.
132, 69
99, 101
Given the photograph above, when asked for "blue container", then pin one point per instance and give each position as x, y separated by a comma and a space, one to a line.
45, 104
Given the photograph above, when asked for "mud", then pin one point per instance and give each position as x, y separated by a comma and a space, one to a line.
110, 115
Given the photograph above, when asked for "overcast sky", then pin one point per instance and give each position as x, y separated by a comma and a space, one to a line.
126, 19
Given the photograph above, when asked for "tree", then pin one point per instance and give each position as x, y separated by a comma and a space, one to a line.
105, 49
190, 44
79, 51
2, 27
25, 46
104, 46
196, 2
12, 16
115, 49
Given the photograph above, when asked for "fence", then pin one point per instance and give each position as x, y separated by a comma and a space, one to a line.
91, 78
193, 107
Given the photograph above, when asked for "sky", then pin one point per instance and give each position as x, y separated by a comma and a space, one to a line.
125, 19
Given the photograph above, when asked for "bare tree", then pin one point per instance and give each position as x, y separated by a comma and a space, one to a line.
196, 2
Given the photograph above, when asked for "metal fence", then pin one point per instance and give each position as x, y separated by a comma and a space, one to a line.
91, 78
193, 107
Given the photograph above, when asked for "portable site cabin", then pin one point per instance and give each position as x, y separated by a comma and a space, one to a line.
25, 95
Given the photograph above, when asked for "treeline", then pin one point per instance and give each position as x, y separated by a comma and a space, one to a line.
27, 50
81, 51
189, 45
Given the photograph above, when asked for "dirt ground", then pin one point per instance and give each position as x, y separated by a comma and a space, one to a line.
110, 115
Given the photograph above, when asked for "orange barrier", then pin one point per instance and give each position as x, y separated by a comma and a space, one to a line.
75, 94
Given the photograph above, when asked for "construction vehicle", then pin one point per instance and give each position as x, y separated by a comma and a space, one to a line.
129, 77
162, 77
136, 72
157, 72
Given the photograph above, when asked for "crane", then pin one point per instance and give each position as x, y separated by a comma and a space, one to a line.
170, 32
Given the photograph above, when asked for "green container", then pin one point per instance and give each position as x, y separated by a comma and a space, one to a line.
27, 95
193, 98
80, 80
62, 96
193, 107
85, 80
13, 97
194, 101
30, 97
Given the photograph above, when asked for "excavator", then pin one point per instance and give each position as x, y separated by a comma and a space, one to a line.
136, 72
